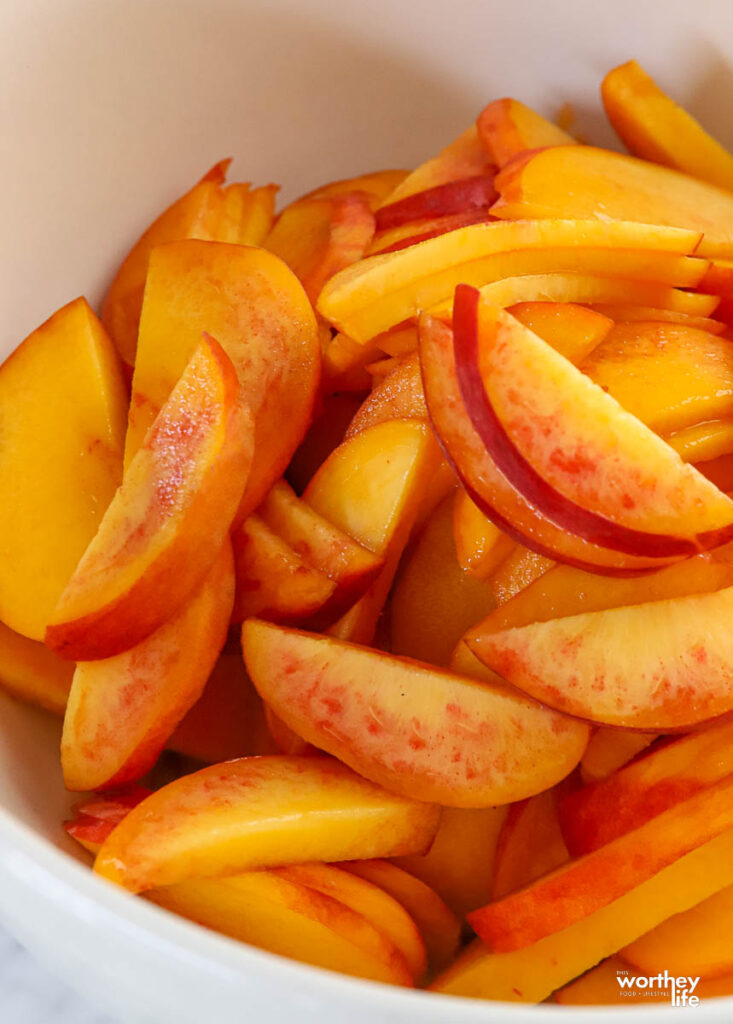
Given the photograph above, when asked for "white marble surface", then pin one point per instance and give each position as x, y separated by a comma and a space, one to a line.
30, 995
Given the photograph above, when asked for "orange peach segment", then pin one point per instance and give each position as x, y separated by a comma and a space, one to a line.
273, 580
399, 396
519, 571
94, 820
319, 237
623, 313
703, 441
611, 749
325, 433
122, 710
581, 181
400, 341
286, 741
438, 925
207, 211
653, 126
530, 974
719, 470
530, 844
377, 186
507, 127
661, 666
382, 291
62, 402
260, 812
458, 866
465, 157
574, 331
30, 672
168, 521
480, 545
364, 897
582, 886
256, 308
290, 919
422, 732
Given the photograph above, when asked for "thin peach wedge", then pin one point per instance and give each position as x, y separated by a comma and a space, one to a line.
507, 127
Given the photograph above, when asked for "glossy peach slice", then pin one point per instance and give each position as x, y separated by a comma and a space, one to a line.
507, 127
422, 732
261, 812
530, 844
574, 331
519, 571
95, 819
399, 396
169, 519
480, 545
30, 672
465, 157
624, 313
609, 750
377, 185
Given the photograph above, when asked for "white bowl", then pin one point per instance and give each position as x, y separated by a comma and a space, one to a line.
108, 109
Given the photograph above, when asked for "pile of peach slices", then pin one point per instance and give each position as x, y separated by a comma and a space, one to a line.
379, 557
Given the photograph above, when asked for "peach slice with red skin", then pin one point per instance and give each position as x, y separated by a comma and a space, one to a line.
617, 485
507, 127
465, 157
530, 844
422, 732
168, 521
94, 820
121, 710
377, 185
261, 812
397, 238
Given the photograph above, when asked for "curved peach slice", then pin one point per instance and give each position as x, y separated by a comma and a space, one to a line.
30, 672
377, 185
286, 917
261, 812
399, 341
507, 127
465, 157
653, 126
574, 331
319, 237
577, 455
582, 181
394, 239
609, 750
483, 480
378, 907
168, 521
480, 545
623, 313
585, 885
420, 731
273, 580
519, 571
325, 433
530, 844
382, 291
256, 308
122, 710
399, 396
703, 441
94, 820
62, 415
286, 741
209, 211
679, 671
438, 925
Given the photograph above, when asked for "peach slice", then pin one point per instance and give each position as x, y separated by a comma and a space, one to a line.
286, 741
422, 732
465, 157
480, 545
168, 521
62, 402
585, 885
438, 925
256, 308
530, 844
208, 211
532, 973
574, 331
286, 917
507, 127
260, 812
483, 480
319, 237
617, 485
519, 571
653, 126
382, 291
719, 470
611, 749
30, 672
94, 820
624, 313
273, 580
458, 866
377, 185
400, 237
600, 813
325, 433
400, 341
703, 441
122, 710
399, 396
581, 181
370, 901
434, 601
600, 987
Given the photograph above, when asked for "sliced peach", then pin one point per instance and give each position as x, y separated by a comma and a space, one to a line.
611, 749
381, 368
259, 812
273, 580
623, 313
325, 433
169, 519
434, 601
532, 973
122, 710
653, 126
30, 672
63, 403
208, 211
438, 925
617, 485
319, 237
585, 885
599, 813
719, 470
574, 331
507, 127
256, 308
286, 917
382, 291
377, 185
703, 441
361, 623
345, 362
399, 396
286, 741
399, 341
420, 731
530, 844
94, 820
396, 238
480, 545
458, 866
519, 571
581, 181
465, 157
